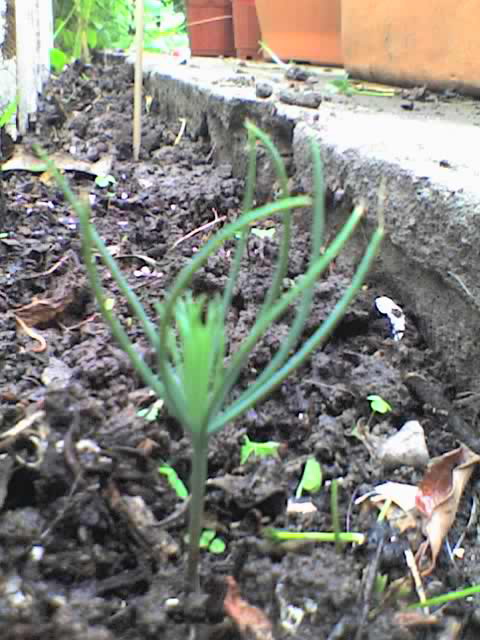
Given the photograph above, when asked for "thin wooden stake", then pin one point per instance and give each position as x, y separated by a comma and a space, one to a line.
137, 96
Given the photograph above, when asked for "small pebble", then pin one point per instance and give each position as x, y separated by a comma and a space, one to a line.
263, 90
407, 446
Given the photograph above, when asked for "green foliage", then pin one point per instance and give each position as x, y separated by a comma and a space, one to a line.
174, 481
258, 449
84, 25
7, 114
209, 541
312, 478
150, 413
378, 404
450, 596
58, 60
105, 181
343, 84
165, 26
189, 337
278, 535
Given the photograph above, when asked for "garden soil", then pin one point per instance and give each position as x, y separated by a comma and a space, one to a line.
92, 536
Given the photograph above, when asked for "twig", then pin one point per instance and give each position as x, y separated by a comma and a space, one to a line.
204, 227
181, 132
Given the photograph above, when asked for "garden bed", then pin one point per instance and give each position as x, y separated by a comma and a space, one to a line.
92, 536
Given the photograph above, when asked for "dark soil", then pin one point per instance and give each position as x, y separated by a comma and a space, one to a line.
92, 538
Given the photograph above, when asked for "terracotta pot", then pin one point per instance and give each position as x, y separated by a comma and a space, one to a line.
413, 43
302, 30
246, 30
210, 27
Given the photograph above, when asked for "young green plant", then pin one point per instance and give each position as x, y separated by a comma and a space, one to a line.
192, 374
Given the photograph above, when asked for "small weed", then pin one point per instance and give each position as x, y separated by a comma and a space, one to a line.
174, 481
105, 181
258, 449
151, 413
311, 479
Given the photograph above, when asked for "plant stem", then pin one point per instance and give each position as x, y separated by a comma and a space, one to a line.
317, 536
198, 480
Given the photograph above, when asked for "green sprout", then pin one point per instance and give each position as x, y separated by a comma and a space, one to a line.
311, 479
209, 541
174, 481
105, 181
379, 405
7, 113
151, 413
192, 374
450, 596
278, 535
258, 449
343, 84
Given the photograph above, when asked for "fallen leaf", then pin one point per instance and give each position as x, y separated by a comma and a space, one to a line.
24, 160
247, 618
438, 498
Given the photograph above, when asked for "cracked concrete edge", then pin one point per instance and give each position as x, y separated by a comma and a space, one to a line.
430, 256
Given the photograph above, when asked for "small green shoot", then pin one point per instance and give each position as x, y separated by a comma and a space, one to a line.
278, 535
343, 84
190, 335
311, 479
174, 481
7, 114
105, 181
335, 514
450, 596
209, 541
151, 413
58, 59
258, 449
109, 303
379, 405
381, 581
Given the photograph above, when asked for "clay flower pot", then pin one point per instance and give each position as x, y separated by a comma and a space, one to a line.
210, 27
413, 43
246, 29
302, 30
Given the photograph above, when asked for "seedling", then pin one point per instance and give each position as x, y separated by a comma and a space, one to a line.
105, 181
311, 479
174, 481
151, 413
450, 596
7, 114
189, 338
258, 449
379, 405
343, 84
209, 541
278, 535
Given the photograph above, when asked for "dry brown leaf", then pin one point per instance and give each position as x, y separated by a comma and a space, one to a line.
41, 311
438, 498
24, 160
248, 619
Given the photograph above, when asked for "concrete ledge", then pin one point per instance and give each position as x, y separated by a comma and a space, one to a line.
430, 260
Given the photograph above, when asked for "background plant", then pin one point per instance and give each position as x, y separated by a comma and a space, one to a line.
84, 25
192, 375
